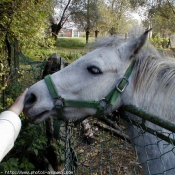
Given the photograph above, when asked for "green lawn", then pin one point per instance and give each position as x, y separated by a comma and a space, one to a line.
74, 43
69, 48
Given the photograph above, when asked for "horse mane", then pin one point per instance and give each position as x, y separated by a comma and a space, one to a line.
154, 78
153, 66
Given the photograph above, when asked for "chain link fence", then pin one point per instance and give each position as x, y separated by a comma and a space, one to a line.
108, 147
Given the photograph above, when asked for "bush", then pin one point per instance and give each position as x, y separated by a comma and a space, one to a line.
159, 43
29, 150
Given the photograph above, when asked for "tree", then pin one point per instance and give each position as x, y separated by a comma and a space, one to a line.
85, 14
160, 16
61, 16
115, 16
24, 20
22, 27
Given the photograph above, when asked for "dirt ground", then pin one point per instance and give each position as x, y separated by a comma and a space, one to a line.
105, 154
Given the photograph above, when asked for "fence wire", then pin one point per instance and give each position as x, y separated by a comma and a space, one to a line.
110, 151
104, 150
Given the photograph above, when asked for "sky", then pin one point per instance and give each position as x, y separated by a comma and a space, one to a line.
136, 16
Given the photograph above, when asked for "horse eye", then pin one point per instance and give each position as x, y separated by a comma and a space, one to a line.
94, 70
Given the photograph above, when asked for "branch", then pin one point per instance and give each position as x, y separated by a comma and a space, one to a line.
65, 10
114, 131
110, 122
65, 20
62, 21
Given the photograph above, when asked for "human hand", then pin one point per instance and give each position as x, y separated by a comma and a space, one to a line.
18, 105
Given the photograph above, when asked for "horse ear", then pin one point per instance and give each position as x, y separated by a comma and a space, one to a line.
138, 43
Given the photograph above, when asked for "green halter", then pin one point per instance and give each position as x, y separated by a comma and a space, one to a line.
100, 105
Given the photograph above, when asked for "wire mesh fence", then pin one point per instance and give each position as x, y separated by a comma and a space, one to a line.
106, 152
108, 148
31, 70
102, 153
153, 140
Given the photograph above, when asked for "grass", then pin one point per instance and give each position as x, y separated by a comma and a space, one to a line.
72, 48
73, 43
69, 48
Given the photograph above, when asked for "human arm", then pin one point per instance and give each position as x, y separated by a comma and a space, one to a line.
10, 125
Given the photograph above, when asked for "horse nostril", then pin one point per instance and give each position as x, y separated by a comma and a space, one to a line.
30, 101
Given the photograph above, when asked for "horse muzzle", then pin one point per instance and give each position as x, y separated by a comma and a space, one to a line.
36, 106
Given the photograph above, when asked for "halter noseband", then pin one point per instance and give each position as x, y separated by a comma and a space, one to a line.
100, 105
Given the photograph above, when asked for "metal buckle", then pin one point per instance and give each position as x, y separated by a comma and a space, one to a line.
59, 102
103, 103
125, 85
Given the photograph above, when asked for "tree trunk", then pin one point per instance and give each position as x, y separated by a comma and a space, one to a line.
59, 27
55, 29
9, 51
87, 36
16, 56
96, 34
3, 92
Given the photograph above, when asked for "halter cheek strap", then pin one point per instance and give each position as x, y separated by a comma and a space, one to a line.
100, 105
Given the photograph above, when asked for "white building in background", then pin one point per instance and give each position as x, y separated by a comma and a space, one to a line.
71, 31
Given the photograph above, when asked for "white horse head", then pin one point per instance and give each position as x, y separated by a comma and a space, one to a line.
89, 78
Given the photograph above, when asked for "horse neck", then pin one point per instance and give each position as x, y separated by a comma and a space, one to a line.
150, 93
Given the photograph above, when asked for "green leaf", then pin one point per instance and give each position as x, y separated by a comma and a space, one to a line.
36, 152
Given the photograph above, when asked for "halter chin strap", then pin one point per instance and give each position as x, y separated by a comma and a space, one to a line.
100, 105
